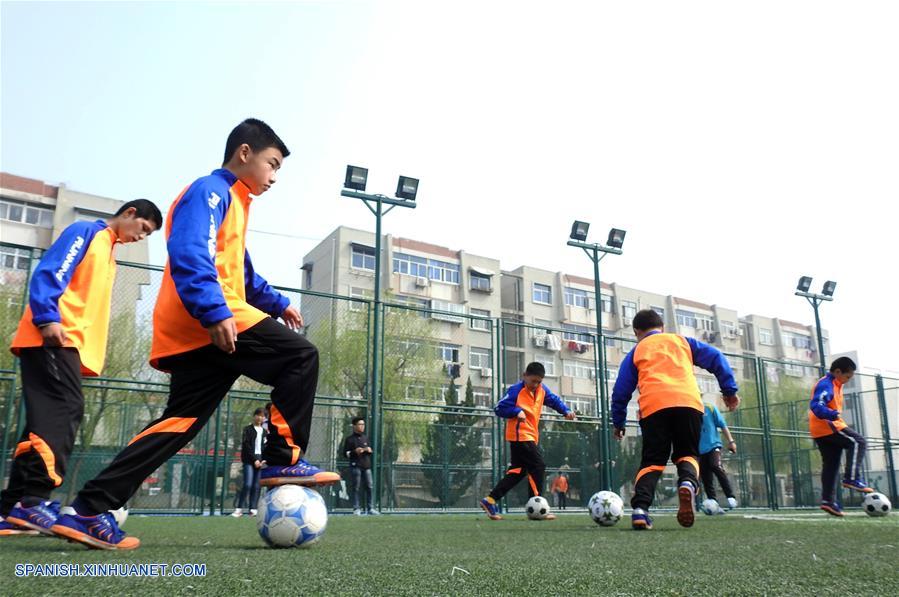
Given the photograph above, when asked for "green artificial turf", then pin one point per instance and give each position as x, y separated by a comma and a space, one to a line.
783, 553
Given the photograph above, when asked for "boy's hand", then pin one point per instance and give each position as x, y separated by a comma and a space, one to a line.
619, 433
732, 402
732, 447
292, 318
53, 334
570, 415
224, 335
521, 415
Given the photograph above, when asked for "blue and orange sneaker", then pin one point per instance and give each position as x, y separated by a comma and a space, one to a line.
37, 518
8, 529
858, 485
832, 508
686, 493
491, 508
97, 532
640, 520
301, 473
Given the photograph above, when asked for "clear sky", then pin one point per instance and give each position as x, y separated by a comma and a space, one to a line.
740, 144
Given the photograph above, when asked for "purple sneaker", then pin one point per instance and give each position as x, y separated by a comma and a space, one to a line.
37, 518
301, 473
97, 532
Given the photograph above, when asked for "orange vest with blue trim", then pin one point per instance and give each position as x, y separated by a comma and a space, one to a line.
825, 407
206, 274
520, 399
72, 286
665, 375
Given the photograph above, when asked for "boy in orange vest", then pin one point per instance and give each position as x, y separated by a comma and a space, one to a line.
522, 406
214, 321
832, 435
62, 335
671, 409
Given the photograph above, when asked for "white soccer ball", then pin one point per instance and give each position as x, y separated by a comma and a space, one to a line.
537, 508
710, 507
876, 504
291, 516
120, 515
606, 508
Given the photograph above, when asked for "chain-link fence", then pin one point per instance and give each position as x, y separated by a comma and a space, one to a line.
438, 445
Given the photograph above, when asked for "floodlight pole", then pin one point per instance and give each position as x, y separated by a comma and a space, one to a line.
375, 391
815, 300
596, 252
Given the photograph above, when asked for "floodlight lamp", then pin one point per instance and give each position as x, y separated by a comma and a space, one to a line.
616, 238
829, 287
579, 230
407, 188
356, 178
805, 282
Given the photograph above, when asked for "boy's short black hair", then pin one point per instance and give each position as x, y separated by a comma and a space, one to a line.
143, 208
257, 135
357, 419
843, 364
647, 319
535, 368
259, 412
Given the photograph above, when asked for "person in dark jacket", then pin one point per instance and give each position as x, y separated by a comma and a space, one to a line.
251, 445
358, 450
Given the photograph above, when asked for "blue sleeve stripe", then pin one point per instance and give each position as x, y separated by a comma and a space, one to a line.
56, 268
192, 241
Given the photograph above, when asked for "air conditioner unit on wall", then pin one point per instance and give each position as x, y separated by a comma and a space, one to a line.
421, 282
486, 372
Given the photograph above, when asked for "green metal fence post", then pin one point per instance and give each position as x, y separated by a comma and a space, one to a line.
215, 458
767, 444
887, 441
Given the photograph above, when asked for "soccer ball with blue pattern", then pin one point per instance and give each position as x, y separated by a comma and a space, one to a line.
711, 507
606, 508
291, 516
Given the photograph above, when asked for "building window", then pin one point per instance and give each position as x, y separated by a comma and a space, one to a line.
448, 353
26, 214
548, 363
421, 304
422, 267
660, 311
577, 333
480, 324
483, 399
581, 405
766, 337
729, 328
543, 294
479, 358
438, 305
363, 257
360, 293
606, 303
479, 282
577, 369
797, 340
705, 323
575, 297
16, 259
707, 385
628, 310
687, 319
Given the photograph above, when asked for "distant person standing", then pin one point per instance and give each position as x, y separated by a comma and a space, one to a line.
559, 488
357, 449
251, 445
